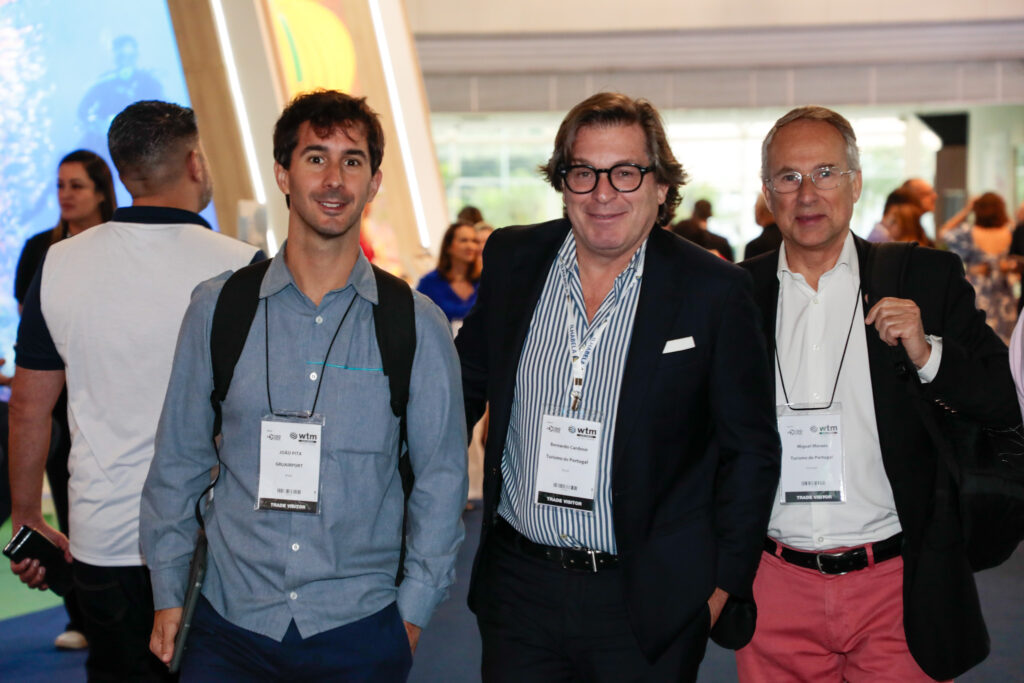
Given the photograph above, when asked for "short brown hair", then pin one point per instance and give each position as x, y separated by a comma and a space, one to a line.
990, 211
616, 109
326, 110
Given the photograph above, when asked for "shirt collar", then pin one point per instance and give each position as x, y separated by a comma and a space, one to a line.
278, 277
566, 260
157, 215
847, 261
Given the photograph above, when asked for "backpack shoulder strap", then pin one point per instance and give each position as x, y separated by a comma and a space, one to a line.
886, 269
232, 318
394, 320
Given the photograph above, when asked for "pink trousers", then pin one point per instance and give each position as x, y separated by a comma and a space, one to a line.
828, 628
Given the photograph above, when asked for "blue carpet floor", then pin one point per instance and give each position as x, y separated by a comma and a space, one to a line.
449, 651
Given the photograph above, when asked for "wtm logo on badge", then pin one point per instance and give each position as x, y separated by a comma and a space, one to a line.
583, 432
304, 437
826, 429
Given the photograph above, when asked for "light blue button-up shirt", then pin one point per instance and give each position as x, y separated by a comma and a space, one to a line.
323, 570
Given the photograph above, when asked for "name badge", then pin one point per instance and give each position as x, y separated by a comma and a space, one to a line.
567, 463
289, 476
812, 456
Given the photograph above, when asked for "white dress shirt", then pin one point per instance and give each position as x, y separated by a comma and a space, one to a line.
811, 330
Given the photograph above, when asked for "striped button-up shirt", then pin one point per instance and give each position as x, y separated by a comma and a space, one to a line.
542, 388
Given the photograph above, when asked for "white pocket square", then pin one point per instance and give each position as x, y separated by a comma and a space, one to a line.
681, 344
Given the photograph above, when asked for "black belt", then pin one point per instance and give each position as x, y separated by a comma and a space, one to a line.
576, 559
838, 563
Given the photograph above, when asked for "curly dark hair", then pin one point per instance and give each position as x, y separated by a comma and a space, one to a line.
326, 110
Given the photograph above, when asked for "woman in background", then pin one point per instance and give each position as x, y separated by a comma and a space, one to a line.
984, 247
452, 286
906, 225
85, 193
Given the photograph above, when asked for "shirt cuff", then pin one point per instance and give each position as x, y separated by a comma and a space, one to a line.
169, 586
417, 601
928, 371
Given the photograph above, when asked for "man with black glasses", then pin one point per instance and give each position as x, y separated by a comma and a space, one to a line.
632, 451
843, 589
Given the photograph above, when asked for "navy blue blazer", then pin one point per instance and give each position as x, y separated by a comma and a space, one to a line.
695, 460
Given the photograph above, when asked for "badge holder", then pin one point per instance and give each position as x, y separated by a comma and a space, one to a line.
813, 465
289, 464
568, 458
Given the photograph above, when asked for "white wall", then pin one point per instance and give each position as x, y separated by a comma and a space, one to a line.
455, 17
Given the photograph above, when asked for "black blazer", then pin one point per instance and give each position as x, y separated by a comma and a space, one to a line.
696, 452
942, 617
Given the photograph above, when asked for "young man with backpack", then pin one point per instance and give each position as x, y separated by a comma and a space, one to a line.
329, 546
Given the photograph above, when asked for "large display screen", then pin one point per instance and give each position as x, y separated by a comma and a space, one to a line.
67, 67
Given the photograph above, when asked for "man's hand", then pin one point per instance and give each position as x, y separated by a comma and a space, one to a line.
31, 573
413, 632
165, 628
899, 320
715, 604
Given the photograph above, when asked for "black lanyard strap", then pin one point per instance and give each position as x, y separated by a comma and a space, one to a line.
323, 366
842, 359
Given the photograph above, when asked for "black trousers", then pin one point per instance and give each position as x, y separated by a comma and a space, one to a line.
541, 623
117, 618
57, 474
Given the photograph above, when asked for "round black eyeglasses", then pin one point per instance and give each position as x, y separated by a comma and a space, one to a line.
582, 178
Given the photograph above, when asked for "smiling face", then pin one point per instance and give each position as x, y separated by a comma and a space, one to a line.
610, 225
78, 196
811, 220
328, 182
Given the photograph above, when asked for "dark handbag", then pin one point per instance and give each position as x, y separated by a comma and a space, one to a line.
987, 467
986, 464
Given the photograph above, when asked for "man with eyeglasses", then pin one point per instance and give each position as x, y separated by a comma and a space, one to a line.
632, 451
843, 591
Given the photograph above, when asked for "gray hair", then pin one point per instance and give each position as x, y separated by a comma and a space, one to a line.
814, 113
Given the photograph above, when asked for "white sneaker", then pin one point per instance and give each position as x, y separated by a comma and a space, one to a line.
71, 640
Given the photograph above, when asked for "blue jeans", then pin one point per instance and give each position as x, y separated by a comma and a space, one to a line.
374, 649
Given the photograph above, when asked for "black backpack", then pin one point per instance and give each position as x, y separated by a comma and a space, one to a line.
986, 464
394, 322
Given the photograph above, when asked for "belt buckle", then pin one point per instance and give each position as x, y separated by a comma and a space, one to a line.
817, 561
593, 559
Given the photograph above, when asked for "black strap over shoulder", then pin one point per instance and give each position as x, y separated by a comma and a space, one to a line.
232, 318
887, 269
394, 319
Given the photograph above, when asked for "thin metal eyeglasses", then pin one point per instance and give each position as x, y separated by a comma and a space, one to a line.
582, 178
823, 177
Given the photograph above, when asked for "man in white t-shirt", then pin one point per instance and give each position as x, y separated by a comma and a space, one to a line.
103, 314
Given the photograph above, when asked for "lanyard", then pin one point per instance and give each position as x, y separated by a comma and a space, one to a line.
323, 366
580, 358
835, 385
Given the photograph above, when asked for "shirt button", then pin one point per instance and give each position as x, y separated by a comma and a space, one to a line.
815, 347
295, 546
293, 595
817, 396
312, 376
821, 539
319, 319
814, 300
565, 537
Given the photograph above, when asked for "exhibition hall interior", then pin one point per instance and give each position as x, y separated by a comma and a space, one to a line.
470, 97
